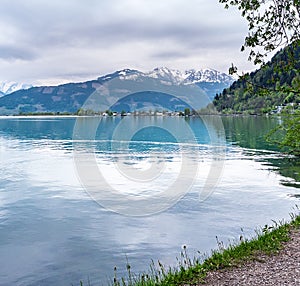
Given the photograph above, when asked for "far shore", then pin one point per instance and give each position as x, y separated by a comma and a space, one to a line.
134, 114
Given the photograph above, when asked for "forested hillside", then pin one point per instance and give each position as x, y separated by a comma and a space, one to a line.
277, 83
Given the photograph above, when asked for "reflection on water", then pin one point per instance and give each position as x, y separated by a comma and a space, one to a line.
250, 132
53, 233
289, 168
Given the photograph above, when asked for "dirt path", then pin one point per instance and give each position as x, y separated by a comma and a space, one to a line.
280, 269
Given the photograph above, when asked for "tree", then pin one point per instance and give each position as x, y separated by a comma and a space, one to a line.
109, 112
273, 24
287, 135
187, 111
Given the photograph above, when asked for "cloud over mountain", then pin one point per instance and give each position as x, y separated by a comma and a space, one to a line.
53, 41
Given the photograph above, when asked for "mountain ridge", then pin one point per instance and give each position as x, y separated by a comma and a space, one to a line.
71, 96
186, 77
8, 87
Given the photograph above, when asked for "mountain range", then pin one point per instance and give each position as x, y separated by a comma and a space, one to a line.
8, 87
192, 88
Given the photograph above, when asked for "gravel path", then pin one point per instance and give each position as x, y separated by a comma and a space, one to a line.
280, 269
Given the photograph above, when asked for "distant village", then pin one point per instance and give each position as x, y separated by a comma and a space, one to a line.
185, 112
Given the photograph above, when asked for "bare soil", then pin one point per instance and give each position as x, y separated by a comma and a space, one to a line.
282, 268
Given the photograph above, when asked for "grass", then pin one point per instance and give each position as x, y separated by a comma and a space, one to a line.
268, 240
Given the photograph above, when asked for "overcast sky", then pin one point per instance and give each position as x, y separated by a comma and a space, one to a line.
56, 41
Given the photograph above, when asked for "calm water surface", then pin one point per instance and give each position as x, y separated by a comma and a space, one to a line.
53, 233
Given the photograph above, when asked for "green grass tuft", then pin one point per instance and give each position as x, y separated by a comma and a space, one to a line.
268, 240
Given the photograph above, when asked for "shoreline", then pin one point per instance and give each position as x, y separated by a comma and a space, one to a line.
281, 268
136, 115
272, 257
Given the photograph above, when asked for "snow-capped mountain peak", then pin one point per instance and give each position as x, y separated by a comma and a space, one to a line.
207, 75
166, 74
119, 73
189, 76
8, 87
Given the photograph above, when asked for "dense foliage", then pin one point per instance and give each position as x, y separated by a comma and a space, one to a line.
276, 84
290, 128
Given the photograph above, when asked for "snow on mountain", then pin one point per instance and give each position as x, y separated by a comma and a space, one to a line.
187, 77
168, 75
164, 74
72, 96
207, 75
119, 73
209, 80
8, 87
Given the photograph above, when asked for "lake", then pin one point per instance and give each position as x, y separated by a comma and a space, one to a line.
81, 195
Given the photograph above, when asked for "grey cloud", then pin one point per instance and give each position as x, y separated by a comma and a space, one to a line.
130, 32
76, 25
164, 30
16, 53
170, 54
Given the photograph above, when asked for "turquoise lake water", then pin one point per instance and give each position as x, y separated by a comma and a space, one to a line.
80, 195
